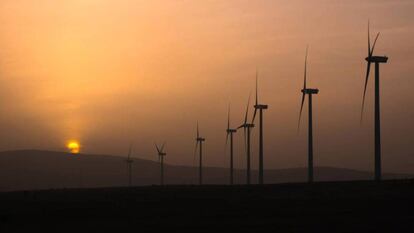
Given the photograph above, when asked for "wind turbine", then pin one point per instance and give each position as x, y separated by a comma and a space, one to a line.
376, 60
161, 155
247, 131
308, 91
199, 141
259, 107
230, 133
129, 162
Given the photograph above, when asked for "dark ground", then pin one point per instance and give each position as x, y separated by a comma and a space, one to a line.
360, 206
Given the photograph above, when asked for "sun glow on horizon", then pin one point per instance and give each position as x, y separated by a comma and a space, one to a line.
73, 146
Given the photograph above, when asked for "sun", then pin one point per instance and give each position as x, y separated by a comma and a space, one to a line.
73, 146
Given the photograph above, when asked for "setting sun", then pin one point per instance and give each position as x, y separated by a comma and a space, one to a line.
73, 147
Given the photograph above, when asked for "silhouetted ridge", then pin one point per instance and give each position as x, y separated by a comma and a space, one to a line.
36, 169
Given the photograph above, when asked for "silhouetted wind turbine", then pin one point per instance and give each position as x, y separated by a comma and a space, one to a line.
308, 91
230, 133
161, 155
199, 141
259, 107
247, 131
129, 162
377, 60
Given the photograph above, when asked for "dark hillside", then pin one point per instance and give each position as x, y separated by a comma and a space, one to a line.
32, 169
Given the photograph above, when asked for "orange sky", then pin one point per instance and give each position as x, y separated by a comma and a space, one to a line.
108, 72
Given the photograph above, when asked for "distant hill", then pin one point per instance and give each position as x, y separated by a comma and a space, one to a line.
35, 169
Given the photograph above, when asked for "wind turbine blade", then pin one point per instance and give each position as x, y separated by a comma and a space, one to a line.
227, 140
257, 98
247, 109
365, 88
156, 146
245, 138
373, 45
257, 95
301, 108
198, 131
254, 115
195, 151
162, 147
306, 64
304, 86
228, 118
369, 41
370, 52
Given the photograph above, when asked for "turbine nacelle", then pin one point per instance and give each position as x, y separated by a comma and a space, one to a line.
377, 59
162, 154
310, 91
129, 160
231, 130
246, 125
260, 106
199, 139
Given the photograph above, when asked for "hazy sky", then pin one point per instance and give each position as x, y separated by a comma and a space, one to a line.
111, 72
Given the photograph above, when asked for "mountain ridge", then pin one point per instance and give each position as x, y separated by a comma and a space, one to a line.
32, 169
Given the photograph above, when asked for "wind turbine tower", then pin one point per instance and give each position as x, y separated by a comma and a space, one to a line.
129, 162
308, 91
230, 133
259, 107
199, 141
247, 127
377, 60
161, 155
